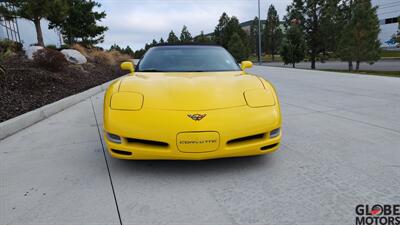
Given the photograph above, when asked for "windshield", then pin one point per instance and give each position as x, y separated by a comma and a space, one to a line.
187, 59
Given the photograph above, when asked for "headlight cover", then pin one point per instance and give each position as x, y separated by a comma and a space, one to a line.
259, 98
132, 101
113, 138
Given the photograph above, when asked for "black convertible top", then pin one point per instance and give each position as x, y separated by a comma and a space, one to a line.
186, 44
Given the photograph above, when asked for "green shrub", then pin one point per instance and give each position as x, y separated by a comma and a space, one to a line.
8, 45
51, 47
50, 59
65, 46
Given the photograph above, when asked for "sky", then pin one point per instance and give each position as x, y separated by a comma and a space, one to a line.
137, 22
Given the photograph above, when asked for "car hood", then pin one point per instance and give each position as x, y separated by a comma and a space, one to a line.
191, 91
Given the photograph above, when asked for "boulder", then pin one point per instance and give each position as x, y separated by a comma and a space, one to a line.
74, 56
29, 51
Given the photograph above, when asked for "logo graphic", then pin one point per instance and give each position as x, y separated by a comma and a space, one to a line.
378, 214
196, 117
376, 210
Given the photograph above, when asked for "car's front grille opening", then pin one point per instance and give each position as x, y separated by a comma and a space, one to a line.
247, 138
269, 146
120, 152
147, 142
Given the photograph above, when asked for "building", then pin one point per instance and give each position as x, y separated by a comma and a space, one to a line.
388, 13
247, 25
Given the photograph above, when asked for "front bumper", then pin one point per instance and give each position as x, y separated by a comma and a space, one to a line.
154, 134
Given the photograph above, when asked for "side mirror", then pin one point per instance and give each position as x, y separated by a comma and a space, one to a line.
128, 66
246, 64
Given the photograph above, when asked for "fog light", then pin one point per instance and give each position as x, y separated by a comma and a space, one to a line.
275, 133
113, 138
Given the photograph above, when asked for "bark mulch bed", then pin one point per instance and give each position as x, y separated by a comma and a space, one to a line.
26, 86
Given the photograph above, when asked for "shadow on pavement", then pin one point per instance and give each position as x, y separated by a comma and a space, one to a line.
196, 168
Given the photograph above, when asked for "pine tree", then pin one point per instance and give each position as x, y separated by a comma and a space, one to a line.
344, 42
272, 32
185, 35
219, 32
139, 53
359, 41
81, 23
295, 14
314, 36
35, 11
115, 47
202, 38
172, 38
128, 51
331, 21
161, 41
253, 37
225, 29
293, 46
237, 48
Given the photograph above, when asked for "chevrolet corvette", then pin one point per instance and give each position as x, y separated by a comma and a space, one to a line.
190, 102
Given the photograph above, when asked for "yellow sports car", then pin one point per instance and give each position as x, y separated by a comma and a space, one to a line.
190, 102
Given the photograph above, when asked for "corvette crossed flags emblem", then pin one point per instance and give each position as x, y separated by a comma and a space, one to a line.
196, 117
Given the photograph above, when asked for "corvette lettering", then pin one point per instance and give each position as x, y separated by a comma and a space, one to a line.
198, 142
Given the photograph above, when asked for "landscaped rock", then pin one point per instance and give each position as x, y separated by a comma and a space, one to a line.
29, 51
74, 56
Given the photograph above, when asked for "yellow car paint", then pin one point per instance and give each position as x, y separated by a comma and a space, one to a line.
126, 101
191, 116
128, 66
259, 98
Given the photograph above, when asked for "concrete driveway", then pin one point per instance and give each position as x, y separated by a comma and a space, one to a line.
341, 148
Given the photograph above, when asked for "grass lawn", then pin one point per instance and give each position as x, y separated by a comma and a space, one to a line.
369, 72
390, 54
265, 58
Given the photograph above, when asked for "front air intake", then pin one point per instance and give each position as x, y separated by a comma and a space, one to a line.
256, 137
269, 146
149, 143
120, 152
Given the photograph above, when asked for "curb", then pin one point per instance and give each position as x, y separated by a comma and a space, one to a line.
12, 126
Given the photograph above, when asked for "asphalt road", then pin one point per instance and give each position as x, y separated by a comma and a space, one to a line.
381, 65
341, 148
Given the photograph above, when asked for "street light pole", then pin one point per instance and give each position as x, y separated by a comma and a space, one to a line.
259, 34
